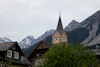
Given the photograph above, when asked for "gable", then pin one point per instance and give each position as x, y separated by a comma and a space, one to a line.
41, 45
56, 34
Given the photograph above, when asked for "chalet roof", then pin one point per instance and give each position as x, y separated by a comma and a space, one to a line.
60, 26
41, 45
6, 46
44, 45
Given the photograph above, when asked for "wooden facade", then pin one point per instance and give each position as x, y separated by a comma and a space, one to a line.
39, 52
11, 52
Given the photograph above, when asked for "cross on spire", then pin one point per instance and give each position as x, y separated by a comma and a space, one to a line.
59, 12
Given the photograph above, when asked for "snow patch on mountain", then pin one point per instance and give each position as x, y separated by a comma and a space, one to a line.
26, 42
29, 40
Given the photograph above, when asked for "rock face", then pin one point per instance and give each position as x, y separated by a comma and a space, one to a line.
87, 32
92, 34
71, 26
93, 25
95, 18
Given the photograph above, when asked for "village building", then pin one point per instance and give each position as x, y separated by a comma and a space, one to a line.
38, 53
11, 52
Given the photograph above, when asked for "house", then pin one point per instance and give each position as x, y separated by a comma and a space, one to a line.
11, 52
38, 53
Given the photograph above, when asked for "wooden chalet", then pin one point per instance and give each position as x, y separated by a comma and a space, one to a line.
11, 52
38, 53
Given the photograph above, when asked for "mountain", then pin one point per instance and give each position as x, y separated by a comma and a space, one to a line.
46, 34
88, 31
72, 25
29, 40
26, 42
93, 25
4, 39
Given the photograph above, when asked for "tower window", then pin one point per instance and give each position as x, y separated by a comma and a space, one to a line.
56, 38
63, 39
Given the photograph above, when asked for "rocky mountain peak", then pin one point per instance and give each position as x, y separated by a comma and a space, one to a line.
28, 41
72, 25
73, 22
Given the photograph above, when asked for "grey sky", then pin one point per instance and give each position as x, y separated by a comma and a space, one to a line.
19, 18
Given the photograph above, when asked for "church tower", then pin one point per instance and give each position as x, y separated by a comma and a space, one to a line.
59, 35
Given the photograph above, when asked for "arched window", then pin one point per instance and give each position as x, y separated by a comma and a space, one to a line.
64, 39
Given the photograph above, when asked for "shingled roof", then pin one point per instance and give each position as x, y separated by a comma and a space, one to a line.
41, 45
60, 26
44, 45
6, 46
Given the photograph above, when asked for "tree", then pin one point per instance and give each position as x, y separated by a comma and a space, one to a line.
66, 55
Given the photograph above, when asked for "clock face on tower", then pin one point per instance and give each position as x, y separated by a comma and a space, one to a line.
56, 38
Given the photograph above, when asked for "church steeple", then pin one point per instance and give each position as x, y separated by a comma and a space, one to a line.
59, 26
59, 35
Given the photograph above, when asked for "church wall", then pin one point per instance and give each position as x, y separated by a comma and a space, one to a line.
56, 34
64, 37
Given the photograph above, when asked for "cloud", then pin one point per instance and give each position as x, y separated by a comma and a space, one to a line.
25, 17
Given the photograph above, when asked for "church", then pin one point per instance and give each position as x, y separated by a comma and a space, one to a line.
59, 35
42, 47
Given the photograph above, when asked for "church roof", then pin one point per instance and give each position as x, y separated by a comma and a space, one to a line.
60, 26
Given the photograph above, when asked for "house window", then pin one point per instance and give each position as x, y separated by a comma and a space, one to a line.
16, 55
63, 39
56, 38
9, 53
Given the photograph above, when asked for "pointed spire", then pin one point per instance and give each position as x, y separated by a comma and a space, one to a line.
60, 26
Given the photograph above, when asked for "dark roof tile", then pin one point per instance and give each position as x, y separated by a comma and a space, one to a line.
6, 46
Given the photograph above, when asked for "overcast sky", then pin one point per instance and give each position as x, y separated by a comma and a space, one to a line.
20, 18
